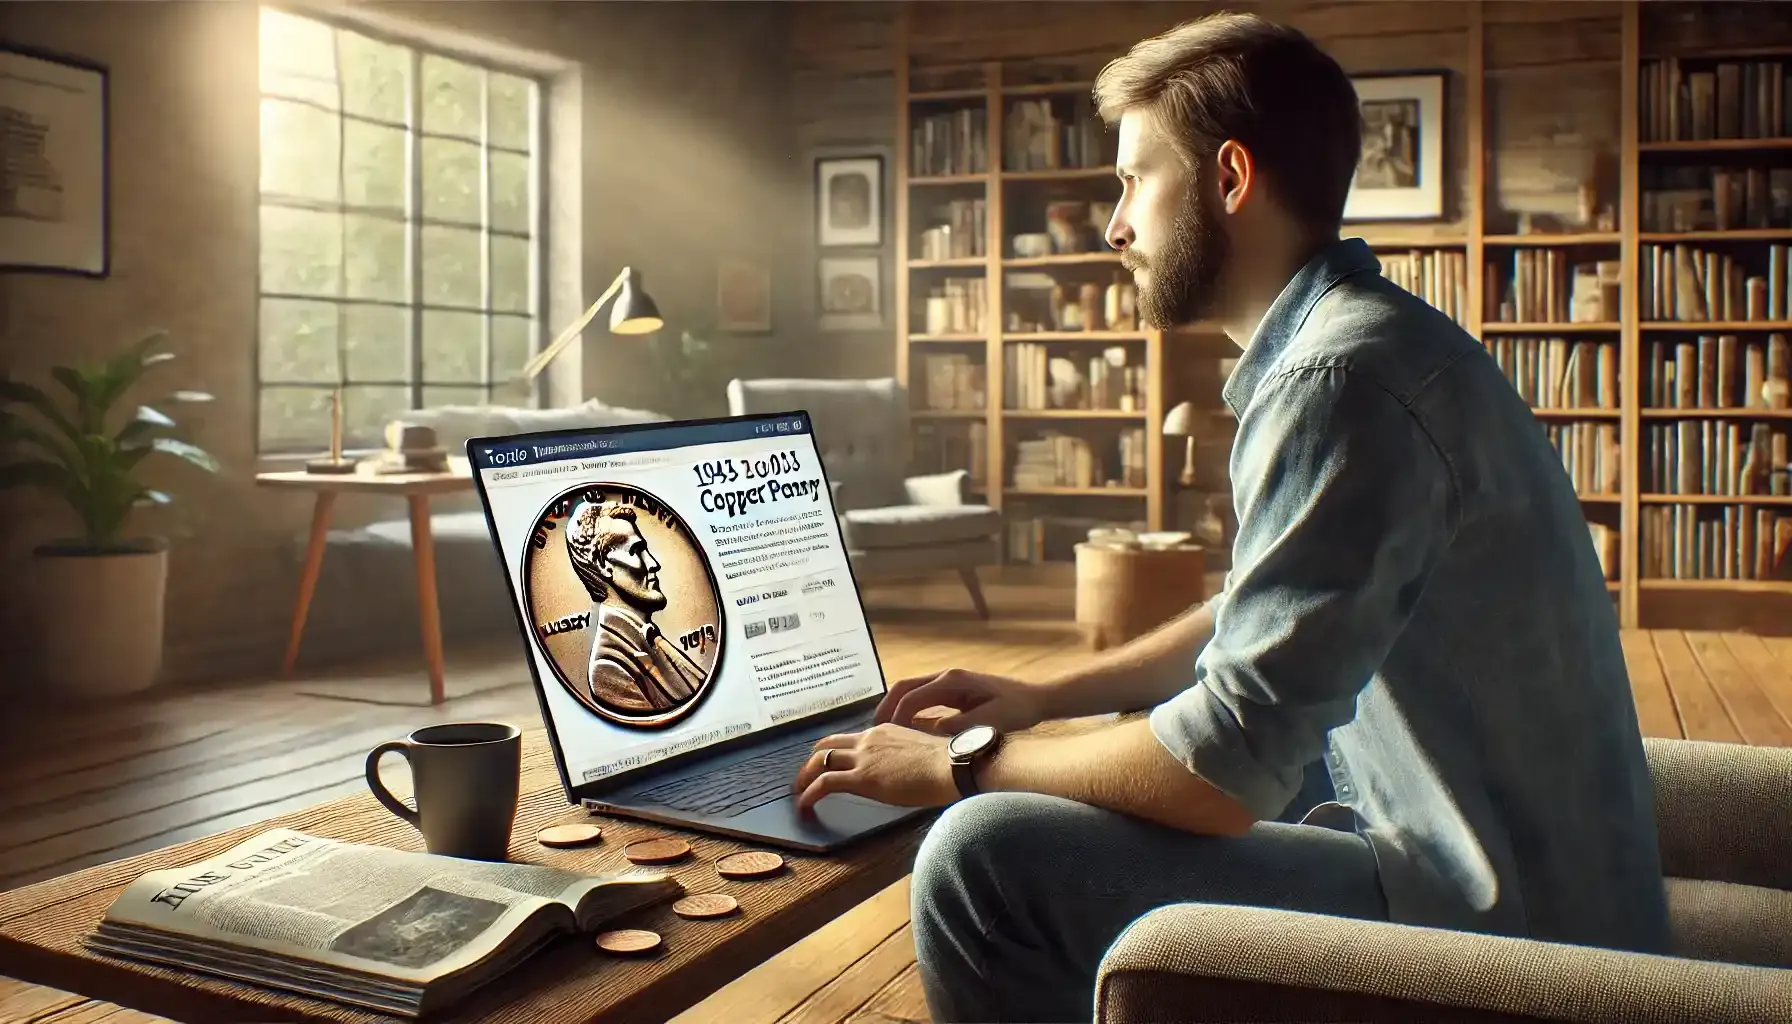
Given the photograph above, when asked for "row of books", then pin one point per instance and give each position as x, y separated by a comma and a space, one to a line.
1038, 137
949, 143
1731, 99
1689, 283
1690, 198
1038, 379
944, 447
1590, 453
1717, 371
1546, 286
1065, 460
952, 381
1034, 539
1718, 457
956, 305
1439, 276
1558, 373
963, 231
1723, 542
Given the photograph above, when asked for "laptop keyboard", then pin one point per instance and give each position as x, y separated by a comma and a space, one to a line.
737, 788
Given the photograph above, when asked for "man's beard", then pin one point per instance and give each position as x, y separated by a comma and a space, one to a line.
1184, 278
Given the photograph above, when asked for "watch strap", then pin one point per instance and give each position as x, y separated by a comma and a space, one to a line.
964, 775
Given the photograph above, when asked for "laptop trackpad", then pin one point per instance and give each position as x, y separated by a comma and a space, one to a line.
833, 818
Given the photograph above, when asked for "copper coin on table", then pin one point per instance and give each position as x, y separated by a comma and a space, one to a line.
569, 835
752, 864
706, 904
656, 851
628, 941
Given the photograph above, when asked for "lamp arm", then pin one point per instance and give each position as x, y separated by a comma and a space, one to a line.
533, 368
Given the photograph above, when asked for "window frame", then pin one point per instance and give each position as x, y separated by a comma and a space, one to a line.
413, 220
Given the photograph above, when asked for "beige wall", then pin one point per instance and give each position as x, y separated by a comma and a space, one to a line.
681, 157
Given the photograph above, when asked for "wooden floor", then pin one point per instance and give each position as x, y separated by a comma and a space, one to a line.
84, 787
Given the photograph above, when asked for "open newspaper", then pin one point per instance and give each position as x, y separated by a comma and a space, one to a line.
402, 933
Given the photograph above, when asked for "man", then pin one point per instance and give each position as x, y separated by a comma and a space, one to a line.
632, 668
1415, 605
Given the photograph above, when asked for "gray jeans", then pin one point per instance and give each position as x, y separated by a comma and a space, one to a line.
1016, 897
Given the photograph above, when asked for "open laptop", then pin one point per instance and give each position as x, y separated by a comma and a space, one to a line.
691, 619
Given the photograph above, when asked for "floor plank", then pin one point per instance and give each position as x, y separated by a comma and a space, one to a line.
82, 786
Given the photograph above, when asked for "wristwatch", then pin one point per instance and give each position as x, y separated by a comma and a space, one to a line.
965, 750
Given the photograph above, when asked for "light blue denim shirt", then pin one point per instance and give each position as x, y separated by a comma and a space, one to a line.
1415, 598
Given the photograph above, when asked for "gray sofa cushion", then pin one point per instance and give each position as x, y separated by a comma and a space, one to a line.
901, 526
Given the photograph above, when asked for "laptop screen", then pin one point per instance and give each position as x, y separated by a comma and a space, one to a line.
682, 584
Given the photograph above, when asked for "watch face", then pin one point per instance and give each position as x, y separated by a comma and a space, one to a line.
971, 741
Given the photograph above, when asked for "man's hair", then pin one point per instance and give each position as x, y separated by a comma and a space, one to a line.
591, 534
1238, 76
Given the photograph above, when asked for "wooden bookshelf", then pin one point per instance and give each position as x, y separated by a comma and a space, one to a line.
1505, 272
1116, 418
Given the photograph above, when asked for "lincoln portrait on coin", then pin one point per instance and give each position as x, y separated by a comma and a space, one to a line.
632, 665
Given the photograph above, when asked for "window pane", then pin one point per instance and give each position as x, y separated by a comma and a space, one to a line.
301, 251
295, 418
513, 342
376, 259
453, 347
297, 45
366, 409
434, 397
379, 342
374, 168
451, 186
298, 342
373, 78
511, 174
512, 111
300, 151
451, 97
512, 289
451, 267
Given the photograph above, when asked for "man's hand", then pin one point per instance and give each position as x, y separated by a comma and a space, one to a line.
1008, 704
887, 763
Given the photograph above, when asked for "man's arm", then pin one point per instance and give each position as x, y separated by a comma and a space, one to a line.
1142, 673
1345, 506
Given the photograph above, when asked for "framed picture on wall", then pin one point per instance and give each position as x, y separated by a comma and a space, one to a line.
53, 180
849, 201
1401, 173
851, 293
743, 297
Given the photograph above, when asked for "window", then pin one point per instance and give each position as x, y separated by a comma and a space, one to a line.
400, 232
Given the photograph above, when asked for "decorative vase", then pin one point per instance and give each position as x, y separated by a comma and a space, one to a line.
99, 619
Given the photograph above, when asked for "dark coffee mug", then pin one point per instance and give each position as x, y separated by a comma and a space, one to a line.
465, 776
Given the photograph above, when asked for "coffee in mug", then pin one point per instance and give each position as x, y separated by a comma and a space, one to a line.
465, 777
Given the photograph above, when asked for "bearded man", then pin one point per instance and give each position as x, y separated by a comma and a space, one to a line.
1415, 611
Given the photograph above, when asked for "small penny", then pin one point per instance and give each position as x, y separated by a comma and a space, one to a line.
707, 904
628, 941
569, 835
752, 864
656, 851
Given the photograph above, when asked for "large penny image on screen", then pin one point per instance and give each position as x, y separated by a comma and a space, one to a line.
623, 604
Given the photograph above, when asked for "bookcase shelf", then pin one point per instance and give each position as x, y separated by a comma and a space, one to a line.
1676, 268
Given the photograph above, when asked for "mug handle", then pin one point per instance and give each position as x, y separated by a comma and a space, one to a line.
380, 792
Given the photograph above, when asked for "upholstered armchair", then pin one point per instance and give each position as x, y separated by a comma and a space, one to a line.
1725, 816
895, 525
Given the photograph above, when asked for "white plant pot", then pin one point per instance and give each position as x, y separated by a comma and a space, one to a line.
99, 621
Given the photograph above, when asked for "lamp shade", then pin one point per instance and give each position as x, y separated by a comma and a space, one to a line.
634, 311
1181, 421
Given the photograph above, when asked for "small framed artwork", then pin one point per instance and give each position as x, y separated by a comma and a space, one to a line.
851, 293
54, 215
849, 201
1401, 173
743, 297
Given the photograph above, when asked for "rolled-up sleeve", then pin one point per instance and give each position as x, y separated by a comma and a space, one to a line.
1344, 506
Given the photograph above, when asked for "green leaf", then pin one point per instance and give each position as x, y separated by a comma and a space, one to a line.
189, 452
148, 497
20, 392
33, 473
188, 396
146, 422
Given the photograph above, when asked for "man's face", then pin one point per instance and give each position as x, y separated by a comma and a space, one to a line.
633, 572
1167, 227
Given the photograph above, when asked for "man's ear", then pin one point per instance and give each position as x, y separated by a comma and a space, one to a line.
1236, 177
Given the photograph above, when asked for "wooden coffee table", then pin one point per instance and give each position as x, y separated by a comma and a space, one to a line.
41, 925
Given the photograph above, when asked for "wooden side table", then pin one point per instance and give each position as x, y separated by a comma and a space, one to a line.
416, 489
1123, 593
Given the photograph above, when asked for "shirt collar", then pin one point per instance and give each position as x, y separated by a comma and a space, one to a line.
1285, 316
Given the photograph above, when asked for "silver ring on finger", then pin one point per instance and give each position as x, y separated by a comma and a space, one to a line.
825, 756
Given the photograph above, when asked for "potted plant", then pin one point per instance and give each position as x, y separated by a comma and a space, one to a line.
99, 595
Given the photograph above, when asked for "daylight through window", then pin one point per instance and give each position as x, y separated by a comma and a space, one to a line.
400, 240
